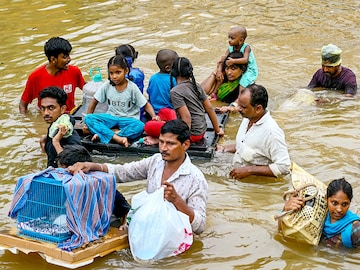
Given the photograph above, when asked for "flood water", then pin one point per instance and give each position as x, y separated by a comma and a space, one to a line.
286, 37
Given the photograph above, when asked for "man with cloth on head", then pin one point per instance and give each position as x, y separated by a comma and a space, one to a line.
332, 75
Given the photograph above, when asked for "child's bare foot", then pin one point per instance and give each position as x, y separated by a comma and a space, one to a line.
148, 140
123, 228
121, 140
95, 138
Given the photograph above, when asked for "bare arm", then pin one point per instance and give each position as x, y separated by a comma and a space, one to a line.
231, 148
150, 110
57, 138
242, 172
242, 60
42, 143
87, 166
219, 69
92, 105
211, 84
212, 115
293, 203
23, 107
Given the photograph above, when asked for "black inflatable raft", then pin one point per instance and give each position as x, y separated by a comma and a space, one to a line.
204, 149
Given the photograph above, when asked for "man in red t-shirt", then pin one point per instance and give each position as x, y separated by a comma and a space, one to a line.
57, 72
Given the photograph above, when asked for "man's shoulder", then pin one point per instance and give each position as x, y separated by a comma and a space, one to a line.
137, 71
270, 122
160, 81
192, 168
39, 71
347, 70
160, 76
179, 87
72, 67
319, 72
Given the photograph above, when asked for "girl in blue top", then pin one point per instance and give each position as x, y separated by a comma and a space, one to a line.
135, 74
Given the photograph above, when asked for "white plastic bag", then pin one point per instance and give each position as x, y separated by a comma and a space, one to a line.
156, 228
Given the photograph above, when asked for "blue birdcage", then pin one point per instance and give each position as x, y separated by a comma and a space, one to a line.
43, 216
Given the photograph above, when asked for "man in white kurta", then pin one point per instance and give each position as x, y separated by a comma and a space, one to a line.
263, 144
260, 147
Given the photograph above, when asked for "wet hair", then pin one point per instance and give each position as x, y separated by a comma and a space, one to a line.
177, 127
127, 50
55, 93
120, 61
55, 46
258, 95
165, 58
339, 185
71, 154
182, 67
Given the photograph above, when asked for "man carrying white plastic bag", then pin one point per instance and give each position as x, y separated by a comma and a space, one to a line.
184, 185
157, 229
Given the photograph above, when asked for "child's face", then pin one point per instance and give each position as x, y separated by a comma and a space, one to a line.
235, 38
117, 74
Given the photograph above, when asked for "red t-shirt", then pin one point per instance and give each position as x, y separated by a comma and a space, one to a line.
67, 79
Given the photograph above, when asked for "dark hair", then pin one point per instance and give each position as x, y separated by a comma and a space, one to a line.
165, 58
258, 95
55, 46
339, 185
182, 67
235, 55
177, 127
73, 153
118, 60
54, 92
127, 50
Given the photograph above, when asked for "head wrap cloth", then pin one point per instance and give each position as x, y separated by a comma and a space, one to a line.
330, 55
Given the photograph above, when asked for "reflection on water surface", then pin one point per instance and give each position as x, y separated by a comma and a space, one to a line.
286, 37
